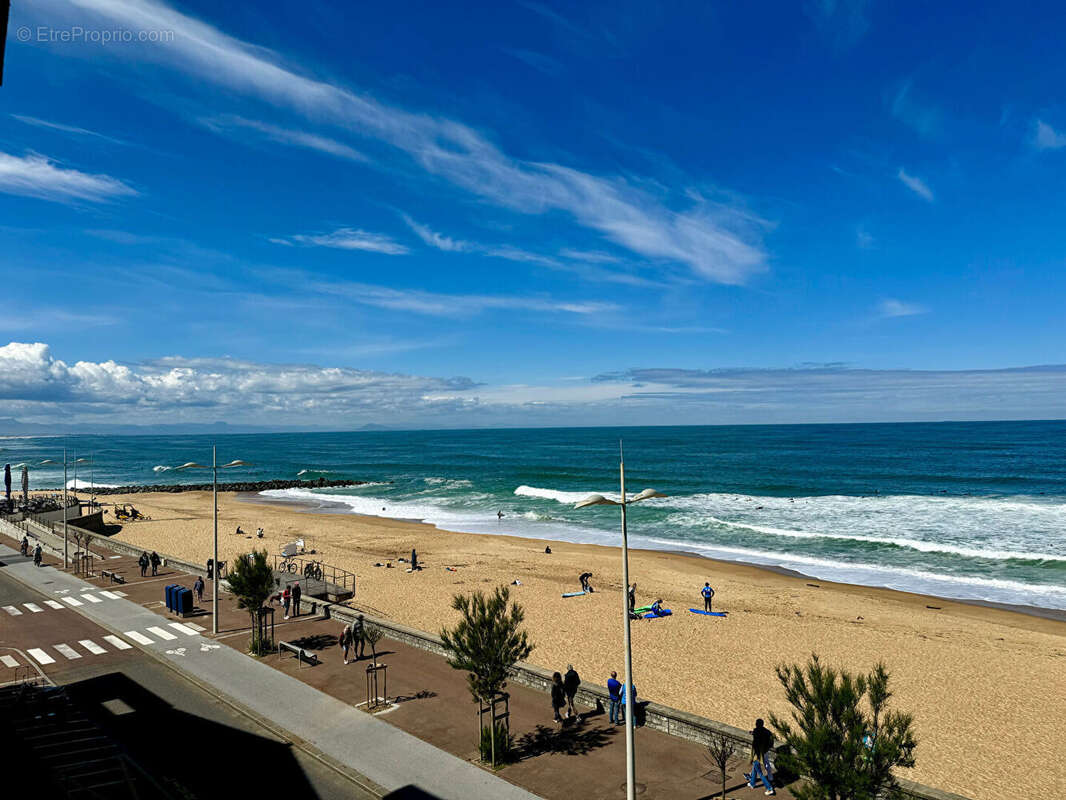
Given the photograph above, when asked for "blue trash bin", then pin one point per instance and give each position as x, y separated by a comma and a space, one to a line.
183, 600
169, 592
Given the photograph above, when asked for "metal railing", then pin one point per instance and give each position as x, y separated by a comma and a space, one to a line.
306, 570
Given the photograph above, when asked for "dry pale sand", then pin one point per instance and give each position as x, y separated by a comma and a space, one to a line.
987, 687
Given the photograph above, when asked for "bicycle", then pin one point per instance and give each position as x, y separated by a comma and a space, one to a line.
313, 570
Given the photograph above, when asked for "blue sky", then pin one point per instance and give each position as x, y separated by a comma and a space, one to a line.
518, 212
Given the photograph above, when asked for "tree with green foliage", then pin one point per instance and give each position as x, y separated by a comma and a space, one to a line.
487, 642
251, 581
842, 736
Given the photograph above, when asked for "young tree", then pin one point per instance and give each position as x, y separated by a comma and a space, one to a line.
721, 749
372, 635
252, 581
845, 740
487, 642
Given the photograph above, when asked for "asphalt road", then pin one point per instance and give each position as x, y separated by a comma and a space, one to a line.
188, 739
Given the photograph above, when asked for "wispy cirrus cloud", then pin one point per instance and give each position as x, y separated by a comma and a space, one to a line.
348, 239
73, 129
1047, 138
439, 240
916, 113
35, 175
718, 242
298, 138
916, 185
891, 307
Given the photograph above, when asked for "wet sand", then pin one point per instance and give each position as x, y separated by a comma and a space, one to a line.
987, 685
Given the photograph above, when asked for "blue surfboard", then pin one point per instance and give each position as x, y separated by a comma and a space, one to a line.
708, 613
573, 594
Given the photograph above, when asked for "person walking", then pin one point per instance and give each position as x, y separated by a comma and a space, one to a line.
558, 695
143, 562
345, 641
761, 742
156, 561
286, 599
296, 592
614, 695
24, 548
571, 681
707, 593
198, 587
359, 638
37, 555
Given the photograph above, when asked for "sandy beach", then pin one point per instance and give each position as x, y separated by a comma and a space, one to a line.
987, 686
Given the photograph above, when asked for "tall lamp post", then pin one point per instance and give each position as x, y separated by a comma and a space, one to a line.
65, 462
600, 500
215, 467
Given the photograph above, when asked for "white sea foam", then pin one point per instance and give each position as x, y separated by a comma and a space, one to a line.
80, 484
567, 498
161, 468
449, 483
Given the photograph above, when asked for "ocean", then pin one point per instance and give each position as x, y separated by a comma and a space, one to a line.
973, 511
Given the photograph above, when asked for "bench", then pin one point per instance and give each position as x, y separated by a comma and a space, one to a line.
299, 652
114, 576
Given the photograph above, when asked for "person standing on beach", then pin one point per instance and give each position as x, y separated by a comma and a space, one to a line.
296, 592
584, 578
761, 742
571, 681
198, 587
707, 593
37, 555
156, 561
614, 694
142, 562
632, 593
359, 638
414, 560
558, 695
345, 641
286, 598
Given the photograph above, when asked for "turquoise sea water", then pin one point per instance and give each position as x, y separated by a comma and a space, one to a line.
966, 510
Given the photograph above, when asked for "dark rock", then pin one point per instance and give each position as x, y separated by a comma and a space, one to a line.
247, 486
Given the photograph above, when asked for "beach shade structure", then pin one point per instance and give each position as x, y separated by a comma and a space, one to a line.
25, 486
600, 500
215, 467
7, 483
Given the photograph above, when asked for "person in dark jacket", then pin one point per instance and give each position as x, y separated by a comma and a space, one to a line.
198, 587
359, 638
296, 592
585, 585
558, 695
614, 693
142, 562
632, 595
571, 680
708, 595
156, 561
761, 743
37, 555
24, 548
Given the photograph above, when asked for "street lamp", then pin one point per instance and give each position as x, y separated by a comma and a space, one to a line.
65, 462
215, 467
600, 500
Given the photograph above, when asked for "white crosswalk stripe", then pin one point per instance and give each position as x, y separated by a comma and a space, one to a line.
121, 644
195, 627
92, 646
36, 609
140, 638
13, 611
67, 650
72, 601
109, 595
54, 604
162, 634
181, 628
120, 594
92, 598
8, 661
40, 656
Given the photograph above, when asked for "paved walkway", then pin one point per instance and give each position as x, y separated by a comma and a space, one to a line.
383, 753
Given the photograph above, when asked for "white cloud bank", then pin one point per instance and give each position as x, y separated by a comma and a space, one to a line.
35, 175
35, 386
718, 241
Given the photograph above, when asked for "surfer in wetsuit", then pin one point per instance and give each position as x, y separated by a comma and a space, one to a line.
707, 593
584, 578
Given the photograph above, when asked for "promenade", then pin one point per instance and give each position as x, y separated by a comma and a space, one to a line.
427, 738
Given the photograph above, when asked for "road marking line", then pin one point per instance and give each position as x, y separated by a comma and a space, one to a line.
140, 638
92, 646
182, 628
121, 644
162, 634
9, 661
54, 604
13, 611
67, 650
36, 609
120, 594
91, 598
40, 656
109, 595
72, 601
195, 627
